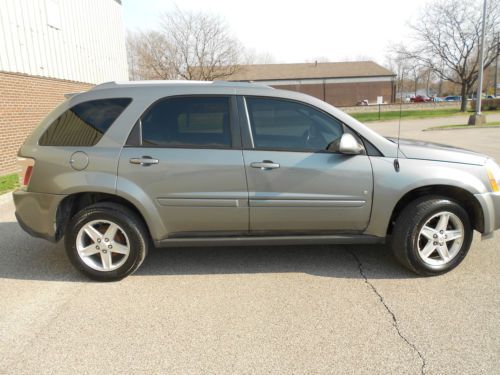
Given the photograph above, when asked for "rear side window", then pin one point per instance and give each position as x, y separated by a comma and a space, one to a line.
84, 124
187, 122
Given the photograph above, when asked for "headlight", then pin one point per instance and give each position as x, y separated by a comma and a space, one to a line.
493, 171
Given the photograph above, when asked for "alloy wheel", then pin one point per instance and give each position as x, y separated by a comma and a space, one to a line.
102, 245
440, 238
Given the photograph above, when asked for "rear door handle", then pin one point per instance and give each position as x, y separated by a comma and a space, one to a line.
145, 161
265, 164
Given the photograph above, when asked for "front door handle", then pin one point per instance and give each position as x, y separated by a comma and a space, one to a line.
145, 161
265, 164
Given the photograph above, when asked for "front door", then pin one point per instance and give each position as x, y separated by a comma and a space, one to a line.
185, 159
295, 185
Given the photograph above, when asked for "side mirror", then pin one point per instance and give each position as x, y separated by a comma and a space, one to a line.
347, 144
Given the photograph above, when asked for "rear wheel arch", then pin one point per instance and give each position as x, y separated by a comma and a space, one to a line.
463, 197
76, 202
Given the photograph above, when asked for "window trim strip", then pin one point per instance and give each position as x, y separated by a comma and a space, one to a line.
249, 126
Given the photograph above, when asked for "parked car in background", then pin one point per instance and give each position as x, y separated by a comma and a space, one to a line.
420, 99
125, 167
453, 98
437, 99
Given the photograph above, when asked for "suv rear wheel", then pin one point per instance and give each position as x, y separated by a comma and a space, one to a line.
106, 241
432, 235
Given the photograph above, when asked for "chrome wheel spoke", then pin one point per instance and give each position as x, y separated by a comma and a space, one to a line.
88, 250
428, 249
428, 232
120, 249
106, 260
443, 222
443, 251
93, 233
453, 234
111, 232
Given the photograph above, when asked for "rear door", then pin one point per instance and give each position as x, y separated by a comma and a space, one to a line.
295, 185
185, 154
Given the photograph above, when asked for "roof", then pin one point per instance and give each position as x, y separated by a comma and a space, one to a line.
269, 72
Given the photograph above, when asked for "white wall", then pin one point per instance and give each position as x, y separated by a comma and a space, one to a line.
77, 40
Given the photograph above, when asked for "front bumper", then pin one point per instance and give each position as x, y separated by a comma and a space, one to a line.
37, 213
490, 203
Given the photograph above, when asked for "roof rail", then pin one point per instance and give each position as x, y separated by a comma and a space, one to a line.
114, 84
240, 83
71, 94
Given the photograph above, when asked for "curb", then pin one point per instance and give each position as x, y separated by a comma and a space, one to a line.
470, 127
4, 198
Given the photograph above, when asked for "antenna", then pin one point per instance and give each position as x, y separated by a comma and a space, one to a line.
396, 161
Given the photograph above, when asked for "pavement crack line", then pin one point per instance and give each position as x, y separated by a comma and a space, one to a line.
14, 360
395, 321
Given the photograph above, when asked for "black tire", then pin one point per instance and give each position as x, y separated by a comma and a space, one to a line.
405, 236
129, 223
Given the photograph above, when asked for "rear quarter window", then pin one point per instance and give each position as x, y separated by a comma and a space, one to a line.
84, 124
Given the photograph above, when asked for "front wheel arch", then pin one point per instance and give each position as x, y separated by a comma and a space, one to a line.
459, 195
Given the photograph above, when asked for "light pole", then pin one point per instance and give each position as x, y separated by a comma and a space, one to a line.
496, 64
478, 118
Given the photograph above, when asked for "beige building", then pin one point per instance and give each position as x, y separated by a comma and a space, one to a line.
338, 83
49, 48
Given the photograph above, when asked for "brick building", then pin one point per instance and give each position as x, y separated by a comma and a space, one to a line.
49, 48
338, 83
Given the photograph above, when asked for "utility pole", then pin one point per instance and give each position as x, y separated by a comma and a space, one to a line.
478, 118
496, 64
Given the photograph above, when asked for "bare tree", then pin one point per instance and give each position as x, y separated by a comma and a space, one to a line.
447, 38
200, 45
318, 59
395, 63
407, 71
358, 57
252, 56
189, 45
149, 56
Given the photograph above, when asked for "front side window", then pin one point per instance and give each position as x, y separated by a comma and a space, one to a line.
199, 122
84, 124
278, 124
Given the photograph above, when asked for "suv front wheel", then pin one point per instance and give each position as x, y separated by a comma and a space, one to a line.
106, 241
432, 235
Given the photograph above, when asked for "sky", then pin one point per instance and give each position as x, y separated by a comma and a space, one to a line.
297, 31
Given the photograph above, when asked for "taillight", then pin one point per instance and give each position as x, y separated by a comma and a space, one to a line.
26, 165
27, 175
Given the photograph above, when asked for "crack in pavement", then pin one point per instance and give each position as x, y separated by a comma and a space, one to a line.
395, 322
13, 358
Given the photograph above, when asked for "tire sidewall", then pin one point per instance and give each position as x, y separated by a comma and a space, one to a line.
414, 257
137, 245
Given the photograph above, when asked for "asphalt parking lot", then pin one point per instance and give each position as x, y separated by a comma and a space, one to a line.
302, 309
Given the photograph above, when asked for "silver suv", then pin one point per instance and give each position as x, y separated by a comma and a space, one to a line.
124, 167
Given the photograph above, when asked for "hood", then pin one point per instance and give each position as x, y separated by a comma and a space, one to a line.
434, 151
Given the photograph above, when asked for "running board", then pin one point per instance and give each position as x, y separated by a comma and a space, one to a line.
356, 239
